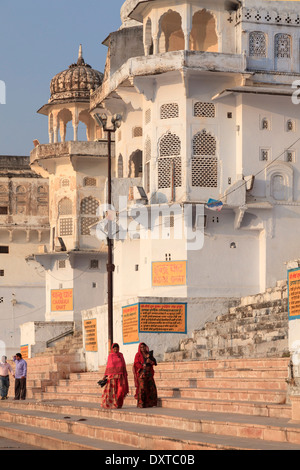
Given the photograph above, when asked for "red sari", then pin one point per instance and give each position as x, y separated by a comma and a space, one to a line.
146, 392
116, 388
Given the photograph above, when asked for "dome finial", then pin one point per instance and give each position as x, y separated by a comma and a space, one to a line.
80, 60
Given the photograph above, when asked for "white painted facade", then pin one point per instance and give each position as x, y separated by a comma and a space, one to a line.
205, 93
74, 260
183, 109
23, 227
218, 105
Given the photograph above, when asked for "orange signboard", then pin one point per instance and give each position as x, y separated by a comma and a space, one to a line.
163, 318
169, 273
131, 324
294, 293
24, 351
90, 328
61, 300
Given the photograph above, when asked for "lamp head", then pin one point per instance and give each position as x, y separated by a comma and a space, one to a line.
116, 121
101, 119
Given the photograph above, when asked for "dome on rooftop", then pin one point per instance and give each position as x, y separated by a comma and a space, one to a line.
75, 83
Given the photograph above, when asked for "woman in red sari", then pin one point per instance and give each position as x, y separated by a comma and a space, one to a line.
143, 371
116, 388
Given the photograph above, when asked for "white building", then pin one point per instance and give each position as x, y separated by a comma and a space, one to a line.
24, 225
205, 91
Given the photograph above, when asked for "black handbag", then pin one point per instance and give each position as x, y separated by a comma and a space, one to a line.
102, 382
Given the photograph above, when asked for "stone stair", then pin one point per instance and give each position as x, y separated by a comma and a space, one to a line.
257, 327
54, 364
68, 345
207, 404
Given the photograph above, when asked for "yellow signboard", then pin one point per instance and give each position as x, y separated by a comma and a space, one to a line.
131, 324
61, 300
294, 293
169, 273
163, 318
90, 328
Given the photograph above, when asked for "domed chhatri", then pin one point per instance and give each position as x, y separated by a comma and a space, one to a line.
76, 82
70, 101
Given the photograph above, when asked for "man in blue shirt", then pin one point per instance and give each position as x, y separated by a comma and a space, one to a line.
20, 376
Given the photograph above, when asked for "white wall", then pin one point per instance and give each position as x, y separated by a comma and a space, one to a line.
199, 311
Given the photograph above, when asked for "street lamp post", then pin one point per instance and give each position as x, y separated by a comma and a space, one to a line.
116, 122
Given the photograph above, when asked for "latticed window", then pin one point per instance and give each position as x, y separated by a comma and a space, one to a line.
257, 44
65, 207
204, 144
282, 46
88, 181
148, 116
169, 162
168, 167
147, 177
65, 182
89, 206
204, 161
137, 132
169, 111
148, 150
170, 145
86, 223
66, 226
120, 167
204, 110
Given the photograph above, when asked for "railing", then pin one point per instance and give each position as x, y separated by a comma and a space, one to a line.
61, 336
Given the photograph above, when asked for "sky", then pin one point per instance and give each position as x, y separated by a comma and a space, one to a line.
38, 39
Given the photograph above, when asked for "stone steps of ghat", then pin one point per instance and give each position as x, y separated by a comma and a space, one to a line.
67, 425
241, 405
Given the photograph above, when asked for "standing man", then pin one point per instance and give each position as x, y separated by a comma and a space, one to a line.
5, 370
20, 375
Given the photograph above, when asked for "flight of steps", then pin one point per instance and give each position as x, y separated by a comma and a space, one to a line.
206, 404
234, 396
257, 327
55, 363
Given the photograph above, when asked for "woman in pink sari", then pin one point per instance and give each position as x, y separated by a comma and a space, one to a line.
143, 371
116, 388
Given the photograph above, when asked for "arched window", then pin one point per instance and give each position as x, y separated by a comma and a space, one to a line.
169, 162
147, 164
65, 208
148, 42
120, 167
282, 46
42, 200
21, 200
204, 161
136, 164
279, 181
171, 34
203, 35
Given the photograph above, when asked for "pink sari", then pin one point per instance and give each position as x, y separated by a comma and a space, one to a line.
116, 388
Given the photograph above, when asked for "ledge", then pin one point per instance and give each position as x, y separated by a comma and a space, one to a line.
70, 149
169, 62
